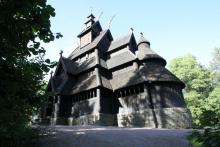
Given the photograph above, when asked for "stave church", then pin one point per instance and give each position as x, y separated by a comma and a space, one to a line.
115, 82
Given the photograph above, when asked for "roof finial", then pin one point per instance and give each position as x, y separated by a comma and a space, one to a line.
61, 52
109, 24
91, 10
132, 29
100, 15
51, 73
141, 34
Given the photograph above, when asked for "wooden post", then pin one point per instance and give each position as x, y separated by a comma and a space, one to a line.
90, 92
98, 106
147, 88
53, 106
56, 110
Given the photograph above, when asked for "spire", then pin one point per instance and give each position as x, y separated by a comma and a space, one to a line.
91, 17
91, 30
90, 20
110, 21
141, 34
146, 53
143, 40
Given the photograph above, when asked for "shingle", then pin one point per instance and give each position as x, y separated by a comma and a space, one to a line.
145, 52
155, 72
69, 65
57, 83
87, 64
120, 42
71, 85
120, 59
83, 84
151, 72
126, 79
143, 40
73, 52
74, 68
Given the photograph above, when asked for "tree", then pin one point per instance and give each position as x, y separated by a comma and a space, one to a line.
213, 101
24, 24
210, 114
212, 107
198, 84
196, 76
215, 66
210, 136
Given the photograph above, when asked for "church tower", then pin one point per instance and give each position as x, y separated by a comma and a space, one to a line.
91, 30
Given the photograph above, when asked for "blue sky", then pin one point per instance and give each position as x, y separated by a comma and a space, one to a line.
174, 27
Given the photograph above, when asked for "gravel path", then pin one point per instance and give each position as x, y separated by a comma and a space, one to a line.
97, 136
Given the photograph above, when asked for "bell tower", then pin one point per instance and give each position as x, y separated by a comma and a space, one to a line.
91, 30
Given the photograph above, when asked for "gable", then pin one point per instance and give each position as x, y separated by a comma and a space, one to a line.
59, 70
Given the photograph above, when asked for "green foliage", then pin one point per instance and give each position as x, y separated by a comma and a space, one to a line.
198, 82
215, 66
212, 107
23, 25
208, 137
196, 77
19, 137
202, 95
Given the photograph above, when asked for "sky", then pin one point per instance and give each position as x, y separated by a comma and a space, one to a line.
174, 27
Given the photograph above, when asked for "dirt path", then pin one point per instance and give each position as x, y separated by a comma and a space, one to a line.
96, 136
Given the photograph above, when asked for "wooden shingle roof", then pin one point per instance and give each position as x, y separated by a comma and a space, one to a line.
120, 59
119, 42
146, 73
146, 53
68, 65
83, 84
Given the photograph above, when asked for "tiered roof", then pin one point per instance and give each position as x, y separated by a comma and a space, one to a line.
73, 82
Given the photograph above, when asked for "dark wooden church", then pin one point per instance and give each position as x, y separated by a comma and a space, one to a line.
119, 82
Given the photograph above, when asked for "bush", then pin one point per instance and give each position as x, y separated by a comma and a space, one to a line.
18, 137
208, 137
